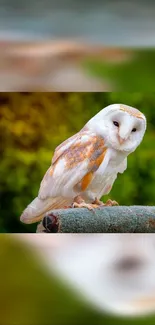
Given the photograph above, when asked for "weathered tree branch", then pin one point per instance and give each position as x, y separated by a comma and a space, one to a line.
121, 219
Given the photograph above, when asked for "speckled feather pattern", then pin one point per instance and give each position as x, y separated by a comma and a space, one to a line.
131, 111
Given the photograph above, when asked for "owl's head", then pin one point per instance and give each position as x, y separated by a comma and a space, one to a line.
123, 127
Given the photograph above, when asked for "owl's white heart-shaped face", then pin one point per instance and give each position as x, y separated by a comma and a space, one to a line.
123, 127
113, 273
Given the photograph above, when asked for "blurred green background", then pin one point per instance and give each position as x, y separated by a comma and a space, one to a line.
33, 124
31, 296
135, 73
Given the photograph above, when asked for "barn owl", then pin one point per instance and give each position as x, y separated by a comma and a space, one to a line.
85, 166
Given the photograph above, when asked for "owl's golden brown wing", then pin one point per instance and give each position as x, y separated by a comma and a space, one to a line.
74, 162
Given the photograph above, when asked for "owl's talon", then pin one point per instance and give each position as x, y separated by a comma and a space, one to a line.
111, 203
98, 203
83, 205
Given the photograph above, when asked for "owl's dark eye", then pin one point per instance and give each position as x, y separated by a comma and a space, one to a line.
134, 130
116, 123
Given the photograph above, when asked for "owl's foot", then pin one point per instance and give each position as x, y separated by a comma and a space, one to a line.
80, 203
98, 203
108, 203
84, 205
111, 203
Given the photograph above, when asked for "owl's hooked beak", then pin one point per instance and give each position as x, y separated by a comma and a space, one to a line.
121, 140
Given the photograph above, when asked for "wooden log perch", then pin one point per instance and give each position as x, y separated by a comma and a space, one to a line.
118, 219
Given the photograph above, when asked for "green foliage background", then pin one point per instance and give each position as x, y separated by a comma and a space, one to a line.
134, 74
33, 124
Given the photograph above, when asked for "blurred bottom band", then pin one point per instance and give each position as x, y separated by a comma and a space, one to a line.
63, 278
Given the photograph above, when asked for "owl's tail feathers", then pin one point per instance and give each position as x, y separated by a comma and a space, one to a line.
37, 208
